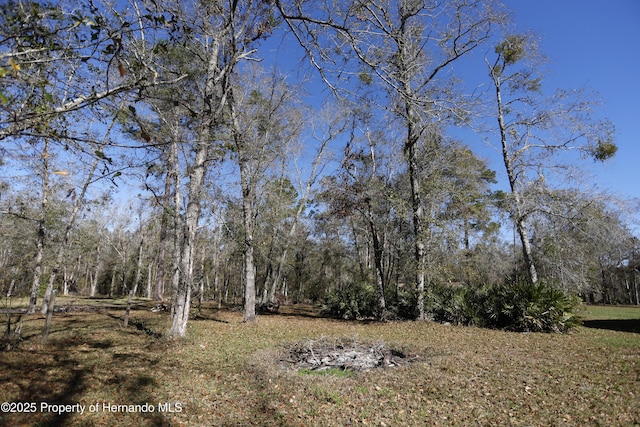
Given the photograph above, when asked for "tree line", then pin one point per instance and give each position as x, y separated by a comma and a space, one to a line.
243, 188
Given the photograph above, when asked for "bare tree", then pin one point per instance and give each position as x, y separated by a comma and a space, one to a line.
64, 58
80, 199
325, 130
41, 236
533, 129
582, 243
264, 120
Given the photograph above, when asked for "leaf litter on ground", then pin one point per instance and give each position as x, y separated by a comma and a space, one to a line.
230, 373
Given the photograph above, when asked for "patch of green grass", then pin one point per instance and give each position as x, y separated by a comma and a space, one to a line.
385, 392
361, 389
325, 394
613, 318
335, 372
609, 312
615, 339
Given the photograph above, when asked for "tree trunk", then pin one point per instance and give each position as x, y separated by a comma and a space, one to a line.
94, 279
203, 277
216, 261
247, 251
88, 279
518, 215
521, 226
65, 240
124, 289
149, 292
113, 282
136, 280
417, 209
248, 215
184, 283
42, 232
182, 293
158, 288
377, 261
171, 179
65, 281
37, 270
47, 325
177, 249
414, 131
72, 279
277, 272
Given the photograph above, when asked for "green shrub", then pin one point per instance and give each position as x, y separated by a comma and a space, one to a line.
402, 306
517, 306
351, 301
525, 306
450, 304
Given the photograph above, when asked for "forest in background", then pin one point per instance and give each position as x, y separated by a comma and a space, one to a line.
152, 147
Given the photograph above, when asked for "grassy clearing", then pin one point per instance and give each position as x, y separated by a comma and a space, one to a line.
610, 312
227, 373
623, 319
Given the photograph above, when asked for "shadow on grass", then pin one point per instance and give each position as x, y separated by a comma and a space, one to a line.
38, 384
301, 310
621, 325
139, 325
199, 315
76, 365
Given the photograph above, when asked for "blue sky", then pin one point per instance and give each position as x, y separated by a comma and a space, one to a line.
588, 43
595, 44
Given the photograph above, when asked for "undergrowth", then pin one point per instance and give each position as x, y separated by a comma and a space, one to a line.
517, 306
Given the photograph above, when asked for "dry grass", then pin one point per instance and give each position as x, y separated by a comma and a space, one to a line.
227, 373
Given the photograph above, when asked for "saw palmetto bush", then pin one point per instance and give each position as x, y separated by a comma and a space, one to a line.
351, 301
516, 306
456, 305
535, 307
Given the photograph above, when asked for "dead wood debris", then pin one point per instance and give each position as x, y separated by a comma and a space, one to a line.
351, 355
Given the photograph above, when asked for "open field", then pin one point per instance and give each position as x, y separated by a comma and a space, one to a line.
616, 318
228, 373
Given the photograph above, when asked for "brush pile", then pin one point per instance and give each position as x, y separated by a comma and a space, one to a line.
340, 354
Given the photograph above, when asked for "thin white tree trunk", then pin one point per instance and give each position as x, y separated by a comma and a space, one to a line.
182, 294
518, 215
136, 281
42, 233
94, 276
149, 291
183, 284
67, 232
249, 263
